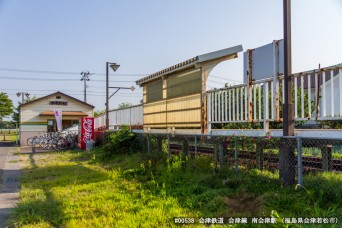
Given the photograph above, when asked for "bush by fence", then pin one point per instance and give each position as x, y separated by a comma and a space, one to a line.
256, 165
307, 162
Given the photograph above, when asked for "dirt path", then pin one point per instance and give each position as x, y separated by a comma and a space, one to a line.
9, 175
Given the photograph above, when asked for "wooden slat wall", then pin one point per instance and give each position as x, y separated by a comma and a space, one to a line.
177, 111
155, 114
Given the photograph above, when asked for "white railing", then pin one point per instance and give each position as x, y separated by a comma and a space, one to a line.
262, 100
100, 121
131, 116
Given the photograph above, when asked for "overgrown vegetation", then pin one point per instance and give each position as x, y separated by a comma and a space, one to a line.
125, 189
120, 142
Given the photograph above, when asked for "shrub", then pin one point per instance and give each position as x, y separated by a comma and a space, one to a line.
121, 141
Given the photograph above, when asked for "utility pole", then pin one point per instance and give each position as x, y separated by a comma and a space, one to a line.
288, 127
85, 78
287, 172
114, 67
22, 94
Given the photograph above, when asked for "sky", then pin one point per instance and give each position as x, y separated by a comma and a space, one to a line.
45, 45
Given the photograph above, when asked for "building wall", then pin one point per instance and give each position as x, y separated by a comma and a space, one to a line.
176, 104
32, 124
128, 116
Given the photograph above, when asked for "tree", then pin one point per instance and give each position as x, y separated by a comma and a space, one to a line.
124, 105
16, 112
6, 105
98, 112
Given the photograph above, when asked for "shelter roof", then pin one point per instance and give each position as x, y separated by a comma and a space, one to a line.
191, 62
54, 94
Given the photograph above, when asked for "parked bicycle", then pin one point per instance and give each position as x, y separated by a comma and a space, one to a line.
54, 140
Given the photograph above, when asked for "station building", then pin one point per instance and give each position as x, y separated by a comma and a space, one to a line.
37, 116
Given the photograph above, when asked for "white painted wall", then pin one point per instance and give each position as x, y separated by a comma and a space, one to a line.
118, 117
32, 124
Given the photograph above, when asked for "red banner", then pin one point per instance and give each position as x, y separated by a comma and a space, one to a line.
87, 131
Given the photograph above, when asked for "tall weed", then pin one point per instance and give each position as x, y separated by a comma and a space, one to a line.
121, 142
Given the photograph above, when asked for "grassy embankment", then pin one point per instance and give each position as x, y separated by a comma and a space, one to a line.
11, 138
75, 189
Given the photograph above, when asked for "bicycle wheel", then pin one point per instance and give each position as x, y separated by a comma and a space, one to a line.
44, 143
30, 140
36, 142
61, 144
52, 143
71, 144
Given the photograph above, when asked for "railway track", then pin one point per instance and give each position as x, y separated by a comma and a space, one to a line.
269, 161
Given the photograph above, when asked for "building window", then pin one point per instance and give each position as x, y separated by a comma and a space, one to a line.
74, 123
154, 91
51, 126
58, 97
184, 85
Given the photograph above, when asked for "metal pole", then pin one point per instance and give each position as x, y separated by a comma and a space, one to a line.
168, 146
85, 91
288, 115
287, 170
196, 148
236, 158
107, 100
299, 160
85, 78
148, 144
22, 97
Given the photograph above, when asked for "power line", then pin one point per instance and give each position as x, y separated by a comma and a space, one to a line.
76, 73
54, 90
227, 79
43, 90
62, 72
80, 94
52, 79
120, 92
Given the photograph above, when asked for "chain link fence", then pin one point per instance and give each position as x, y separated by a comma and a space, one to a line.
302, 162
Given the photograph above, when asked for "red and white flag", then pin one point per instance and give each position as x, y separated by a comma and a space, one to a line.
58, 116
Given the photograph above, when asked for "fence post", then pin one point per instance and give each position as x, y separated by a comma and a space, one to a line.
159, 144
17, 134
236, 158
185, 147
196, 150
216, 151
168, 146
327, 157
265, 114
148, 144
221, 157
287, 169
185, 152
299, 160
259, 156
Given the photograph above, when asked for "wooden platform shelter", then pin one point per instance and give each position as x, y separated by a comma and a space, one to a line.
175, 98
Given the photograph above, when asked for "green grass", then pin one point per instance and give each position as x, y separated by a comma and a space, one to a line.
13, 161
77, 189
8, 137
